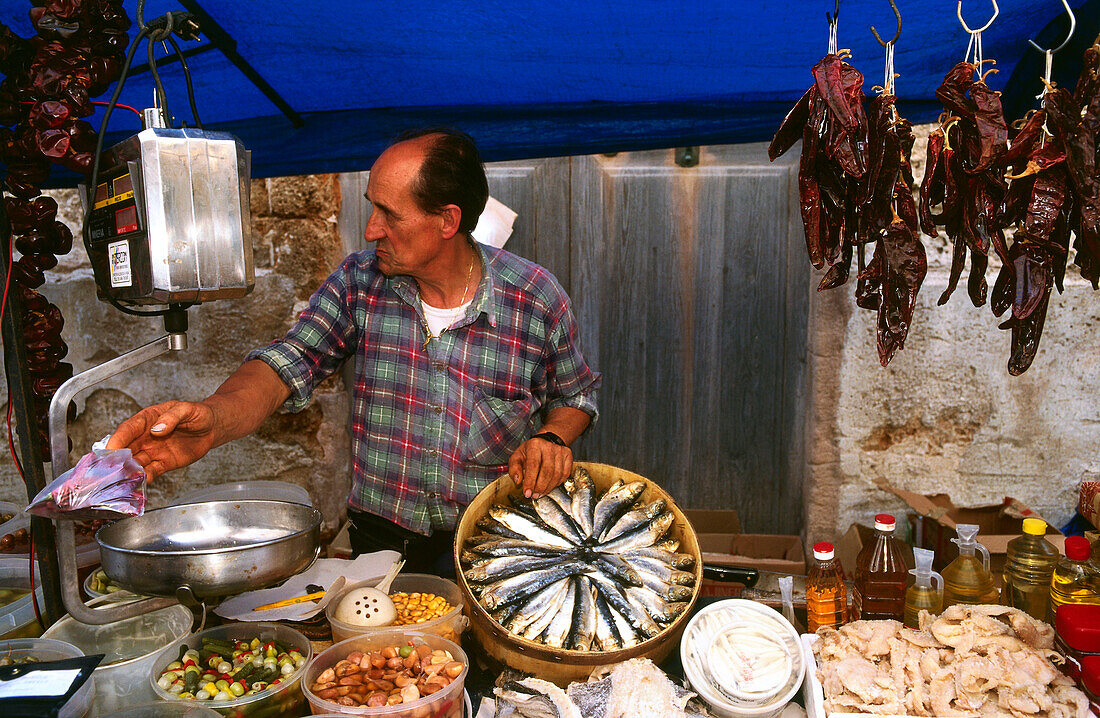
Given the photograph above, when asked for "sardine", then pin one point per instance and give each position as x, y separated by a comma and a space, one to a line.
617, 568
531, 530
559, 626
658, 608
627, 633
561, 497
491, 525
540, 624
613, 594
664, 589
512, 547
557, 518
671, 558
641, 537
528, 611
668, 544
613, 504
511, 589
584, 616
523, 505
582, 503
634, 519
503, 567
607, 635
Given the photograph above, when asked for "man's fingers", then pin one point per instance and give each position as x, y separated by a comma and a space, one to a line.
553, 469
515, 466
531, 468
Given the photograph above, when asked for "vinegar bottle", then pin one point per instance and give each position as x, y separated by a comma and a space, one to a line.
967, 579
926, 593
826, 597
881, 575
1028, 569
1076, 579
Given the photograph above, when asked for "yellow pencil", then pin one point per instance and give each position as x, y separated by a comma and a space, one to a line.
290, 601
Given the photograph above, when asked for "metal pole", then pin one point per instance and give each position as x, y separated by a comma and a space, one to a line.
21, 399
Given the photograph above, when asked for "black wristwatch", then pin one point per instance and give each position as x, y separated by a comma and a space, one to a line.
551, 437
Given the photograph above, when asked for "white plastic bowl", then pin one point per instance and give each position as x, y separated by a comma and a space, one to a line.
692, 644
46, 649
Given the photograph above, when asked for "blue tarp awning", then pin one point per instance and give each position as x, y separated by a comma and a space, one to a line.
574, 76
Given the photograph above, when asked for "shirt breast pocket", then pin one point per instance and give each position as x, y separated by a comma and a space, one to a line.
497, 428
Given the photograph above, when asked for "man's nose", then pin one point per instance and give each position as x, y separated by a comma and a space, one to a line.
373, 232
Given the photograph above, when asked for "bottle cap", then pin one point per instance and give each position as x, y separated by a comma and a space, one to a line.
823, 551
884, 522
1077, 548
1035, 527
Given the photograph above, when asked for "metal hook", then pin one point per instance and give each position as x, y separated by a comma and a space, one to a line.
1072, 27
996, 12
896, 34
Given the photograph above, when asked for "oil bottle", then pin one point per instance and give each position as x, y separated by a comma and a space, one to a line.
967, 579
1076, 579
926, 593
881, 575
1028, 569
826, 597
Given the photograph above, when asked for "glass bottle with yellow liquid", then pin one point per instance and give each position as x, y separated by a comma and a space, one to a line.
1076, 579
1028, 569
967, 579
926, 593
826, 597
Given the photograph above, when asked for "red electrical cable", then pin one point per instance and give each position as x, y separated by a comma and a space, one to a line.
118, 104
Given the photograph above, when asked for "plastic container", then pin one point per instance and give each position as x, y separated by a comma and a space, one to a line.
708, 627
284, 699
826, 597
7, 507
880, 576
160, 709
1028, 570
17, 619
449, 626
119, 595
926, 593
45, 649
1075, 579
967, 579
130, 647
240, 490
447, 703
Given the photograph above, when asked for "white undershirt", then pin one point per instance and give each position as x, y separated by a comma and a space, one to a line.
440, 319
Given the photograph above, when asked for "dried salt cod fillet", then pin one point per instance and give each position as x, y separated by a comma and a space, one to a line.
533, 698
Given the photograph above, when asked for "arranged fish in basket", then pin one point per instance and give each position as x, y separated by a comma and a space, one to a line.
580, 571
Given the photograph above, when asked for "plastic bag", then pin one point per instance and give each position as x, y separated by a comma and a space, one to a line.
104, 484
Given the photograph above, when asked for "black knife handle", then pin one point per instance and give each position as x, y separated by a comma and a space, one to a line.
731, 574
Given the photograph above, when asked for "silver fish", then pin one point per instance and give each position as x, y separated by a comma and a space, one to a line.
558, 629
540, 624
614, 503
491, 525
584, 616
641, 537
561, 497
504, 592
616, 568
627, 633
531, 530
496, 569
557, 518
635, 518
527, 612
669, 544
512, 547
607, 635
664, 589
670, 558
658, 608
582, 502
613, 594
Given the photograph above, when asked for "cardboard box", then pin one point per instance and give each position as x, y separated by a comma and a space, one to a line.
722, 543
1088, 502
998, 524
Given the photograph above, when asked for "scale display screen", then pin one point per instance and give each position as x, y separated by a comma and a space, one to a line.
114, 209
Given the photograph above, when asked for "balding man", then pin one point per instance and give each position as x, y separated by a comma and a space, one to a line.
465, 361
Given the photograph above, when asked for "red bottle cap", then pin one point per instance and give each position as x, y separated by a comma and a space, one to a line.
1078, 626
823, 551
884, 522
1077, 548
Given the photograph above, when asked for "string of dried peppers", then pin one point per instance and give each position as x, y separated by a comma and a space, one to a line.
75, 55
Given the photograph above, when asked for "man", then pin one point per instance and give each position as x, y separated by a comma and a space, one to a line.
465, 362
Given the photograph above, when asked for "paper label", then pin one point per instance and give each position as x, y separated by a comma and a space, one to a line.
39, 684
118, 258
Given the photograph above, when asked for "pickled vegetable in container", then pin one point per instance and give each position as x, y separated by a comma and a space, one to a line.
967, 579
826, 597
881, 575
926, 593
1076, 580
1028, 570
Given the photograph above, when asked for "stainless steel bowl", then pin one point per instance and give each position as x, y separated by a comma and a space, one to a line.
214, 548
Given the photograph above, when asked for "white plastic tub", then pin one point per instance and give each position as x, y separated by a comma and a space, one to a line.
130, 647
46, 649
17, 619
449, 626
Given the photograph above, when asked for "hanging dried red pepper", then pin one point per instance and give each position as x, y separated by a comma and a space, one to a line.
50, 78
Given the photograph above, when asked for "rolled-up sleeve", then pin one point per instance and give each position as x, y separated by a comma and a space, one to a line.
322, 338
570, 381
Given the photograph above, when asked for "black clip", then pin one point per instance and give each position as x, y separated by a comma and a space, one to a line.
687, 156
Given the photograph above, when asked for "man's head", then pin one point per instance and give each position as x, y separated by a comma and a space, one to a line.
426, 188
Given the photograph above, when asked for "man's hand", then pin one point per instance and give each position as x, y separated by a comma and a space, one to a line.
166, 436
540, 465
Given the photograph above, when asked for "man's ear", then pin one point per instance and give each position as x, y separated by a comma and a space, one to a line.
451, 216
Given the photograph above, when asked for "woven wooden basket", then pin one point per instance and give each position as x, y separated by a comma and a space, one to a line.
554, 664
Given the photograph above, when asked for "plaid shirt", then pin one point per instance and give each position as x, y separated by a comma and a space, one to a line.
431, 427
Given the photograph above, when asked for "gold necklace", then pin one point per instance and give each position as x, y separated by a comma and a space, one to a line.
465, 291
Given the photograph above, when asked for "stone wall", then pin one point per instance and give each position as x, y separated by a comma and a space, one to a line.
296, 245
946, 416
